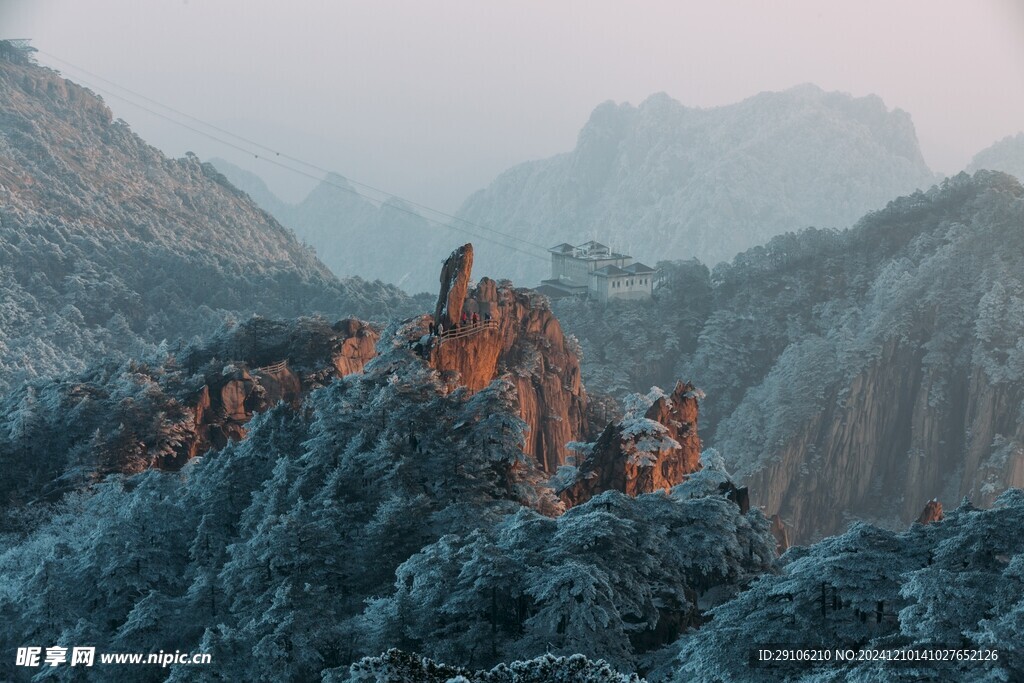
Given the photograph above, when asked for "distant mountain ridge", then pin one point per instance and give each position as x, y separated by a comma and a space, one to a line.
662, 180
354, 236
659, 181
1006, 155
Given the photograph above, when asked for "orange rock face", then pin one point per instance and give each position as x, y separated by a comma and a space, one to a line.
517, 335
525, 341
678, 413
781, 534
932, 513
225, 404
358, 348
642, 456
454, 283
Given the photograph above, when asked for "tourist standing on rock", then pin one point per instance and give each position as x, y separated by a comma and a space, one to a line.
476, 319
440, 329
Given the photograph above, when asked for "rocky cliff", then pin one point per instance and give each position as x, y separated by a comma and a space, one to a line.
880, 367
888, 443
517, 336
642, 454
57, 435
229, 397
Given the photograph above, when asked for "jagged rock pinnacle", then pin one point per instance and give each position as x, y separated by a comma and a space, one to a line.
932, 513
642, 456
455, 276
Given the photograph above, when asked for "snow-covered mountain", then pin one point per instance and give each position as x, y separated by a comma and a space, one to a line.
850, 374
863, 373
1006, 155
107, 246
355, 236
663, 180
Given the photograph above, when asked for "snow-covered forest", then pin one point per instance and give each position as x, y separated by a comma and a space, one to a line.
954, 584
108, 248
797, 342
387, 514
383, 514
210, 443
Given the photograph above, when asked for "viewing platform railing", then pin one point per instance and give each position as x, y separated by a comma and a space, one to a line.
271, 369
468, 330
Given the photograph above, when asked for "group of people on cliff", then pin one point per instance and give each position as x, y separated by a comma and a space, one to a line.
438, 330
468, 321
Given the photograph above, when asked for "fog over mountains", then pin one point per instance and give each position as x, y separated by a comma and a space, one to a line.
352, 234
197, 454
658, 180
1006, 155
666, 181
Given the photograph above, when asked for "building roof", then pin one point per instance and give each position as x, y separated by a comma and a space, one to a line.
552, 292
638, 267
610, 271
588, 251
564, 283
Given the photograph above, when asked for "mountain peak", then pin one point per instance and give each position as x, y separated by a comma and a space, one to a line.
336, 179
678, 182
809, 89
1006, 155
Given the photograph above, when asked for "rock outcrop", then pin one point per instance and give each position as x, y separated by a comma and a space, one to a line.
519, 337
932, 513
227, 401
781, 534
224, 405
455, 274
642, 455
358, 346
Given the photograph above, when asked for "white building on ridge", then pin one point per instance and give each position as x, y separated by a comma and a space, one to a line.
592, 269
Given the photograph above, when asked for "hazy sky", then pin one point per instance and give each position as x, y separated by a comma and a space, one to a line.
432, 99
